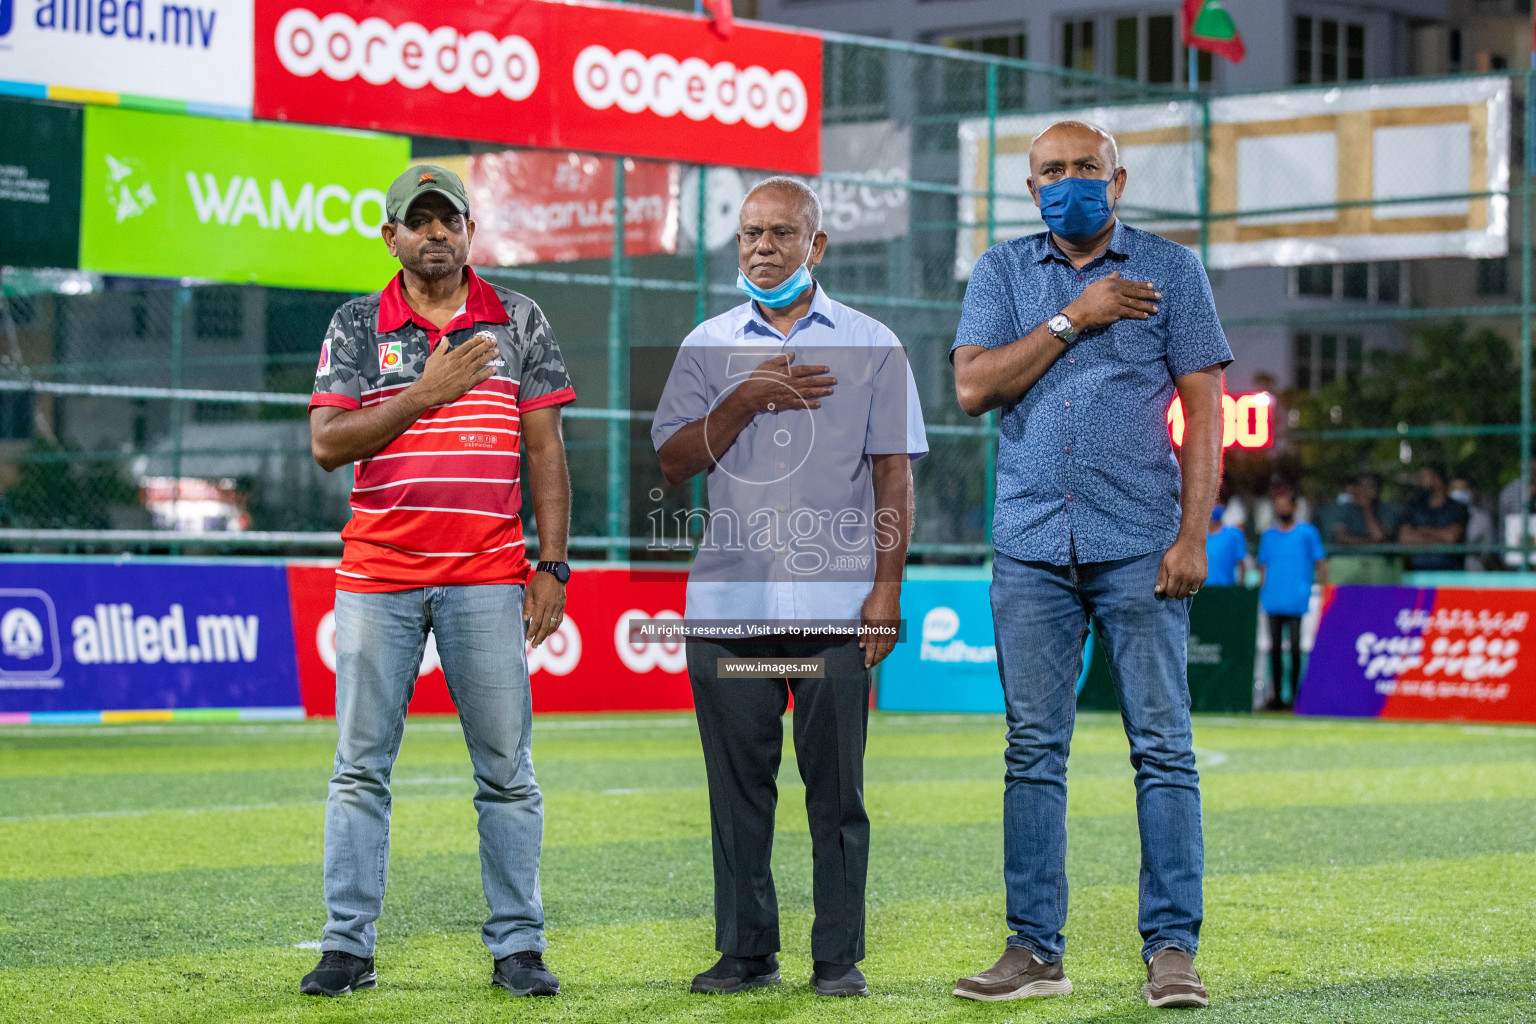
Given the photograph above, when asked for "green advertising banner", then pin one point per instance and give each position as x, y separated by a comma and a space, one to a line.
167, 195
39, 184
1223, 634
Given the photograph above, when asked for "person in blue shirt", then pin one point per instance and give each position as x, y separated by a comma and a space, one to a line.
1081, 336
1291, 558
1226, 551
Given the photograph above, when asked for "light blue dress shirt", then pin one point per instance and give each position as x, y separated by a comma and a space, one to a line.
792, 531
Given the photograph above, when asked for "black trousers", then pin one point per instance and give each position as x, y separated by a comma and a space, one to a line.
1279, 625
741, 726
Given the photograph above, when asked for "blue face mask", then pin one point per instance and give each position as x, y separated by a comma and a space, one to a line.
1076, 208
782, 294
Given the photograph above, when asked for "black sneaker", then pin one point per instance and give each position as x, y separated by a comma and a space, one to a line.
737, 974
838, 980
338, 973
524, 974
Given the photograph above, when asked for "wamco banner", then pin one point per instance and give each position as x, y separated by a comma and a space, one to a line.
169, 196
189, 56
588, 77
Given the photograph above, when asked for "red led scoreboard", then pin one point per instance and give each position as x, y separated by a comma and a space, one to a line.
1245, 420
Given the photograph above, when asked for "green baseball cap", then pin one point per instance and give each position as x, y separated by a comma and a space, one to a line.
416, 182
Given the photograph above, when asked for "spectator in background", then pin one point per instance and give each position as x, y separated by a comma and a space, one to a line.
1361, 517
1433, 518
1479, 523
1510, 507
1226, 552
1291, 557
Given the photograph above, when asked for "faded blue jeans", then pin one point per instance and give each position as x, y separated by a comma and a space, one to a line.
379, 643
1041, 614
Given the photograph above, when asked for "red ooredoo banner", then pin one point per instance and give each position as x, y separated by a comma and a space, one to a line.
588, 665
537, 73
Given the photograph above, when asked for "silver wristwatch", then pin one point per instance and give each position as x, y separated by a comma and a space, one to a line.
1060, 325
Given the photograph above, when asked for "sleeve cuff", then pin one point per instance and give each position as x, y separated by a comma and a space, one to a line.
331, 398
560, 397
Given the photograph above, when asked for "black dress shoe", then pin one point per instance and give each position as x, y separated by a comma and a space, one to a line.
737, 974
838, 980
338, 973
524, 974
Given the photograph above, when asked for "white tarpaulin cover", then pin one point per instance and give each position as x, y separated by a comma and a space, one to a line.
1337, 174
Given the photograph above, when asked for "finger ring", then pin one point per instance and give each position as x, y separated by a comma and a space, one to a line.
554, 618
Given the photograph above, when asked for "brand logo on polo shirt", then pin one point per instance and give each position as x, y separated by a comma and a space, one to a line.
325, 356
390, 357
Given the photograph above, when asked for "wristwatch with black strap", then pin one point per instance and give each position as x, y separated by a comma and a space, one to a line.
1061, 327
559, 570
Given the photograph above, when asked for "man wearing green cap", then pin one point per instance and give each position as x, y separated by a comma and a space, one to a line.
440, 389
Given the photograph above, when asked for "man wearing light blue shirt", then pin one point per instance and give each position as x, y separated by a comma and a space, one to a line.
804, 416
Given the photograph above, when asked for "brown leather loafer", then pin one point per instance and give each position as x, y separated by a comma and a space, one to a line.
1173, 981
1016, 975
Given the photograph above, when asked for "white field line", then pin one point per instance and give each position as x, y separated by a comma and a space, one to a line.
329, 727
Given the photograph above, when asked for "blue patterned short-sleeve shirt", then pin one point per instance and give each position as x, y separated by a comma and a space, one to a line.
1085, 464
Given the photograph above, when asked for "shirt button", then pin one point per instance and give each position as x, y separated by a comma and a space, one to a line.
1069, 405
1069, 497
1069, 449
1072, 360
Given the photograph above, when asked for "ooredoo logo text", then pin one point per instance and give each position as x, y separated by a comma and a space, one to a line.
698, 90
410, 54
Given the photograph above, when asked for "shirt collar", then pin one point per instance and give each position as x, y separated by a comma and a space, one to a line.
822, 308
483, 305
1121, 244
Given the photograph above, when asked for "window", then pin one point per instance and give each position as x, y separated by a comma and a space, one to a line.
1354, 357
1361, 282
1493, 276
1327, 50
1302, 361
1160, 49
15, 415
1317, 363
1354, 52
1315, 280
218, 313
1303, 51
1389, 278
997, 46
1355, 280
965, 82
1147, 48
1128, 48
1077, 45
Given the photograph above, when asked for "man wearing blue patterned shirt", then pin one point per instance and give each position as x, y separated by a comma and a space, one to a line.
1082, 335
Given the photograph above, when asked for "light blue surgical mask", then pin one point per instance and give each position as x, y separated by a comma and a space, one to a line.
781, 294
1076, 208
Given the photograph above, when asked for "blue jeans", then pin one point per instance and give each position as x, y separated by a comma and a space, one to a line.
1041, 614
379, 643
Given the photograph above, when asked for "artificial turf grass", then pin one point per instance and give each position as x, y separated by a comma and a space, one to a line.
1352, 947
204, 950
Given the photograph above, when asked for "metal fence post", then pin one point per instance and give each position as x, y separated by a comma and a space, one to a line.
700, 311
993, 439
618, 390
179, 303
1525, 322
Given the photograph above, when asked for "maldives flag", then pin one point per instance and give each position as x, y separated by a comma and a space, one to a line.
723, 17
1208, 27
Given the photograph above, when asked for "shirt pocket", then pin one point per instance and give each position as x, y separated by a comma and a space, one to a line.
842, 422
1139, 342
